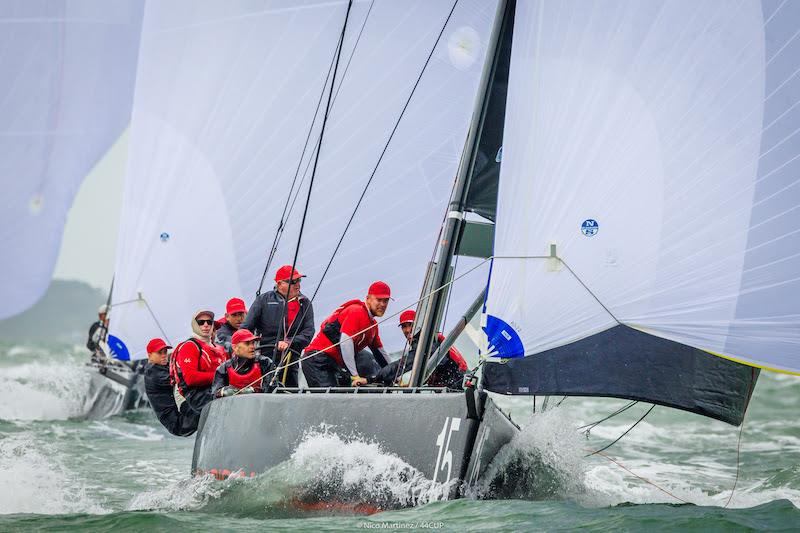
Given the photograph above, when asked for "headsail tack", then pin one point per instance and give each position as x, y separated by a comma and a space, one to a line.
653, 149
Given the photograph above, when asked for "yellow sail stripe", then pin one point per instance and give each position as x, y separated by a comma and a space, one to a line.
728, 357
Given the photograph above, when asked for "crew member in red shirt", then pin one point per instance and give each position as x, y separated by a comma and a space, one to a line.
195, 360
351, 328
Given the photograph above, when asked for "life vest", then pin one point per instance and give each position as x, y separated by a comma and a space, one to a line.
241, 381
175, 374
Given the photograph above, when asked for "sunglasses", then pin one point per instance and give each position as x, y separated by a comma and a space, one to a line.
203, 321
292, 282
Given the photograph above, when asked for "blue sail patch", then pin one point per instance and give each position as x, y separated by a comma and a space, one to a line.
118, 348
504, 342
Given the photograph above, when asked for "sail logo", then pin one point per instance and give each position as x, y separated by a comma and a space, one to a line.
590, 227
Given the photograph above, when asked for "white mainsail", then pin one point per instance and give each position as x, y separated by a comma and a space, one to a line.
68, 70
225, 96
656, 145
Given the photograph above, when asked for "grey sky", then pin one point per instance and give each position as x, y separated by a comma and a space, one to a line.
95, 212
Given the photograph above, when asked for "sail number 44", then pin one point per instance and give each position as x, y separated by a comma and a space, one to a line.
444, 457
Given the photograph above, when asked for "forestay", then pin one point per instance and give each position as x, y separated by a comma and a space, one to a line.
654, 148
225, 96
68, 70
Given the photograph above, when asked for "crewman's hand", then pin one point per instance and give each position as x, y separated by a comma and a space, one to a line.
356, 381
282, 346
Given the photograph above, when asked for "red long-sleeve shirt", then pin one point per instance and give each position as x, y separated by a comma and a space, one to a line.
198, 369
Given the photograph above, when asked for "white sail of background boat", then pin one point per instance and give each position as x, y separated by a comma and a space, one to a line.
68, 70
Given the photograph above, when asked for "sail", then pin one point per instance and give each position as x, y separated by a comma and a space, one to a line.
68, 71
649, 195
225, 97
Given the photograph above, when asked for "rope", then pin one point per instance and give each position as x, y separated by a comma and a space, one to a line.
739, 441
383, 152
634, 474
615, 413
284, 215
604, 448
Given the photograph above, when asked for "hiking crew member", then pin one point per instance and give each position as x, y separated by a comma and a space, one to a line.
245, 371
181, 422
98, 330
235, 314
448, 373
194, 362
351, 328
269, 315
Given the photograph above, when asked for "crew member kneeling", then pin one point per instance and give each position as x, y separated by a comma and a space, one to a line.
244, 372
181, 422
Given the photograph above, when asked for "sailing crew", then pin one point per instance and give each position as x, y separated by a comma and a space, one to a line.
181, 422
244, 372
448, 373
269, 316
349, 330
235, 314
194, 362
98, 330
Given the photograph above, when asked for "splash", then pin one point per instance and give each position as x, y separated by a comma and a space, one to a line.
326, 473
35, 481
544, 461
39, 391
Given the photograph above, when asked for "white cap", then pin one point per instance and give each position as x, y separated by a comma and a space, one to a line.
102, 310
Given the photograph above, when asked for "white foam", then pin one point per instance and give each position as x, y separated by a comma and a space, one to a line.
34, 481
39, 391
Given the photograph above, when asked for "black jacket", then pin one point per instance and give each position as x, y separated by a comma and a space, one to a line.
267, 317
447, 374
159, 391
221, 378
223, 336
95, 335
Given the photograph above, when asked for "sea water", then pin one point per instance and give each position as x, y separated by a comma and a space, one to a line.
673, 471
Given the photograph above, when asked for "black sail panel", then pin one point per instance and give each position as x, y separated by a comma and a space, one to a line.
623, 362
482, 193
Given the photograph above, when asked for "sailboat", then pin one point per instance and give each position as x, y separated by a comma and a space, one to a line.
68, 71
625, 189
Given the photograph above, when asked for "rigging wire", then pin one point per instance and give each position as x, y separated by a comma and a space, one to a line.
385, 148
285, 215
380, 159
287, 356
604, 448
739, 441
615, 413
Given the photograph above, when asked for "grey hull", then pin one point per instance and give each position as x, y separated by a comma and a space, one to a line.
435, 433
113, 391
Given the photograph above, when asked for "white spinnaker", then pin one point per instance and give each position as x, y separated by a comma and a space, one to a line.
67, 71
224, 98
674, 125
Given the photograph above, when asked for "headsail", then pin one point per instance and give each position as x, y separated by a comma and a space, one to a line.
652, 150
68, 70
225, 97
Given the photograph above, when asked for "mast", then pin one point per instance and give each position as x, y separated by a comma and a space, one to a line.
454, 222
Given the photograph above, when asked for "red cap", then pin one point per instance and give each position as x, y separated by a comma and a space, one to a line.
283, 273
235, 305
243, 335
379, 290
407, 316
156, 345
